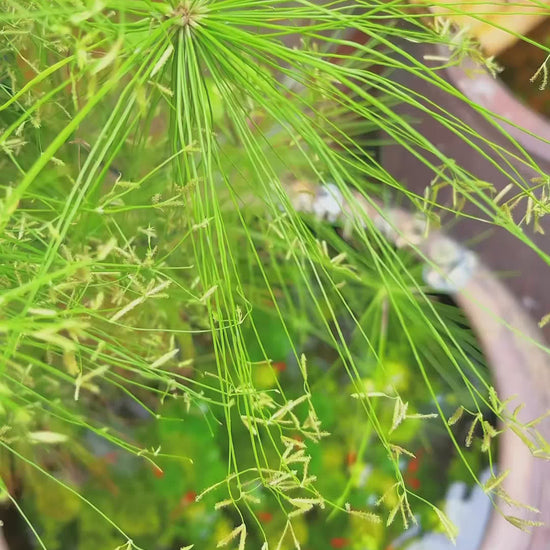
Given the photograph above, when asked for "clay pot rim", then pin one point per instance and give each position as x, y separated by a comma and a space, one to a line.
525, 125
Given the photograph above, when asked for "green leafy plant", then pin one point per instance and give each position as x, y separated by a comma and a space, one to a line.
154, 264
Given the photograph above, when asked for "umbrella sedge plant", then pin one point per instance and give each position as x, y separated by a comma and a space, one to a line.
146, 234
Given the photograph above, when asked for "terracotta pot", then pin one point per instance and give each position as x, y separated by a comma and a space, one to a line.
521, 369
508, 336
523, 272
520, 366
511, 342
503, 311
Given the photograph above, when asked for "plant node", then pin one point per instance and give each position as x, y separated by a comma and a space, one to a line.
189, 13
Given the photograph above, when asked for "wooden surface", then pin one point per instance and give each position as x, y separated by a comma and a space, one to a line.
495, 25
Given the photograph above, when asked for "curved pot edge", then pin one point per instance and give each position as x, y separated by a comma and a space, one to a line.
529, 128
509, 339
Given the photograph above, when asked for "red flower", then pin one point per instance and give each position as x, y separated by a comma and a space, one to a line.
339, 542
265, 517
414, 463
158, 472
188, 498
279, 366
351, 458
414, 483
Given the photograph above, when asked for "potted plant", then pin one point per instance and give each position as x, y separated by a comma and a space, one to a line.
184, 332
508, 336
